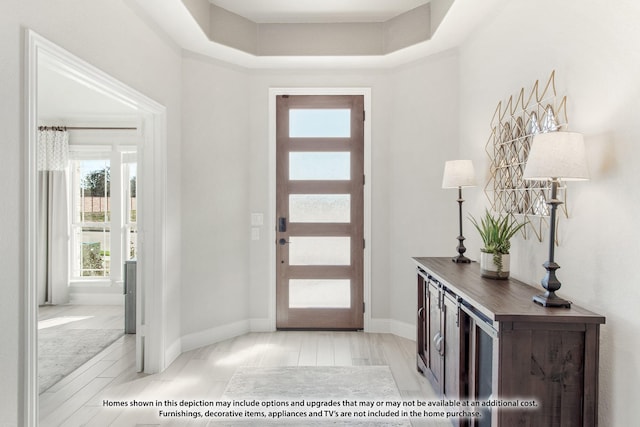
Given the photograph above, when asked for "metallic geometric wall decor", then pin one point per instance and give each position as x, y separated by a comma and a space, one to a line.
513, 126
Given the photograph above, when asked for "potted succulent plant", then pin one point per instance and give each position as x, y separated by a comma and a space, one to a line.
496, 233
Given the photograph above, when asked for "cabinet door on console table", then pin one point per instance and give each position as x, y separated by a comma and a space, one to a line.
482, 344
424, 325
453, 348
492, 342
440, 340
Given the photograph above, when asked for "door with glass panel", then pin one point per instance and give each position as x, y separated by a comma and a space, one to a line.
319, 211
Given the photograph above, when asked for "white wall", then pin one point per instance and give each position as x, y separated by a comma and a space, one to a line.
215, 200
226, 175
423, 217
593, 46
226, 144
110, 36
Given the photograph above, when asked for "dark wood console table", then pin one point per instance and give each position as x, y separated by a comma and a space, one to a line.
484, 340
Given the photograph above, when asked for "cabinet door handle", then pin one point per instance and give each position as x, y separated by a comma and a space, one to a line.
420, 311
439, 346
437, 341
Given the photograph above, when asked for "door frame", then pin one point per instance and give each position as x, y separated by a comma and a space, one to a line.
151, 222
271, 215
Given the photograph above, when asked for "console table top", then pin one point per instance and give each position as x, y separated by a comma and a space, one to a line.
500, 300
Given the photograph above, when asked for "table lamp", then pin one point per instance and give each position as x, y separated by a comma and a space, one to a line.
458, 174
555, 156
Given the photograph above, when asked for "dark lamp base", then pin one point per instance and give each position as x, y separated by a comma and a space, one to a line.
551, 301
461, 259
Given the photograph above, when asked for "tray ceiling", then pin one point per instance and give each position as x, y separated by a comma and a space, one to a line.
315, 11
368, 33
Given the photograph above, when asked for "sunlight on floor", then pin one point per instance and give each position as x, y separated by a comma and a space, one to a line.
56, 321
241, 356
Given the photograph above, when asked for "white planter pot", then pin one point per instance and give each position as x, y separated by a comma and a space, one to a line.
490, 270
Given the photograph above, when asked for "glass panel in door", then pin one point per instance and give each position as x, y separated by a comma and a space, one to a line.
319, 123
313, 250
314, 293
320, 208
318, 166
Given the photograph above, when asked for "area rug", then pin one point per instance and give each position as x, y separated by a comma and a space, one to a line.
313, 395
62, 350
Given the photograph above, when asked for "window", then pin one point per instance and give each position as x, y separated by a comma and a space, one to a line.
130, 187
91, 223
103, 189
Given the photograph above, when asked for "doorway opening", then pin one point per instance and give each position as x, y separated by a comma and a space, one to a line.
150, 145
87, 239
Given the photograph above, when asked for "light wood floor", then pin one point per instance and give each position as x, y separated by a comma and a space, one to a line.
83, 316
203, 373
58, 319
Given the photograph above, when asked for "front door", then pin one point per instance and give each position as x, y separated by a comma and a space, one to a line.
319, 211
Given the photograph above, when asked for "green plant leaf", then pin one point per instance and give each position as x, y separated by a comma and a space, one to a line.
496, 232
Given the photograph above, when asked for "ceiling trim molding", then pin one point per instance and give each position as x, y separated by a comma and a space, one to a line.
189, 24
312, 39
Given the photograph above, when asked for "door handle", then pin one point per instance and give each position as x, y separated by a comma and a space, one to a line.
282, 224
437, 342
439, 346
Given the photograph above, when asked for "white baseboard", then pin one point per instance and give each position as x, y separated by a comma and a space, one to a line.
378, 326
402, 329
172, 352
231, 330
221, 333
261, 325
391, 326
214, 335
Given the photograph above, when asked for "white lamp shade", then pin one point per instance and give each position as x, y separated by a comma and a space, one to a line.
458, 173
557, 155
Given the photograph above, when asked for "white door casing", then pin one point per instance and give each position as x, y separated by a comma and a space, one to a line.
152, 220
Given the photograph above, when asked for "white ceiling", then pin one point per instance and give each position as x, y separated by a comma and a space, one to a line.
318, 11
62, 97
173, 17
